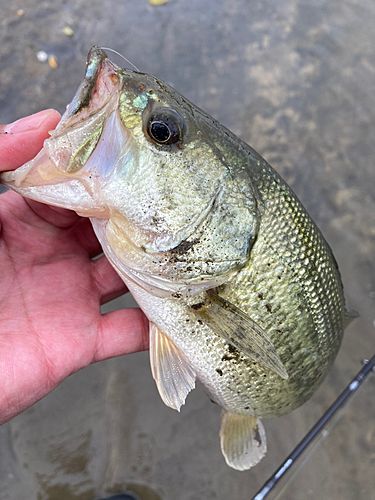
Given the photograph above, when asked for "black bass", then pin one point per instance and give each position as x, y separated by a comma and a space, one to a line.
241, 290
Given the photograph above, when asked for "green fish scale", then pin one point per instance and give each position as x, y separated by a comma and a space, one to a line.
291, 287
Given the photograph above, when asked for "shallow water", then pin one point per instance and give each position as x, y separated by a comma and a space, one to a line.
295, 79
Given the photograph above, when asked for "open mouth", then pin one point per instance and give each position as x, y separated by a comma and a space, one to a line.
57, 175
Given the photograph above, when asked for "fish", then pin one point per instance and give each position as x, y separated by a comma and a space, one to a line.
241, 290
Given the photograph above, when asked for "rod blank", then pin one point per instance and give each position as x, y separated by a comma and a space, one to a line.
347, 393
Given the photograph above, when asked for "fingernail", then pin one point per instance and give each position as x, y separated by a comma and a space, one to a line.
31, 122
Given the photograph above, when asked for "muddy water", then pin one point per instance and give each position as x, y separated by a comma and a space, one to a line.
296, 80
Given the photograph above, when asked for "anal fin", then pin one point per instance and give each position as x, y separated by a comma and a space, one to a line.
243, 440
170, 369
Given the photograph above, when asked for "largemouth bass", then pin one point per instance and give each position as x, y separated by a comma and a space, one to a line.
241, 290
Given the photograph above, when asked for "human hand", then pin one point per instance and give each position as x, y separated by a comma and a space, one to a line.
50, 288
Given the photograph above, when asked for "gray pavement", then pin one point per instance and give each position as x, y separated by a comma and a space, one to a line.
295, 79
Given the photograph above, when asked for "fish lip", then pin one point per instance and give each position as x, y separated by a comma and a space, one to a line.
94, 63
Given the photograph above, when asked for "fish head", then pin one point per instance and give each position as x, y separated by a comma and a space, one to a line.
132, 151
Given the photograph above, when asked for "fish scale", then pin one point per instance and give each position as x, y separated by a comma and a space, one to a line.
312, 334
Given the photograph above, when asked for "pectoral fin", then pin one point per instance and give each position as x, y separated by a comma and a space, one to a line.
243, 440
241, 331
172, 373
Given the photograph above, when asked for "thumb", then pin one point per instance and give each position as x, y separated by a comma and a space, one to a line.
22, 140
121, 332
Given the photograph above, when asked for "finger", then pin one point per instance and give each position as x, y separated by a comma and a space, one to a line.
22, 140
108, 282
79, 228
121, 332
33, 213
58, 217
84, 234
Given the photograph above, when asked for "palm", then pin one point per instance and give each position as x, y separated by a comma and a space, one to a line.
51, 275
50, 296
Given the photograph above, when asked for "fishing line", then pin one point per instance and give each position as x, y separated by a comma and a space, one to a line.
315, 431
123, 57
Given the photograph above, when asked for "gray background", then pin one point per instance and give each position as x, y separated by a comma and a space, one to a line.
294, 78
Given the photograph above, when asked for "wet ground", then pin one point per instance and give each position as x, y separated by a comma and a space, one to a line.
294, 78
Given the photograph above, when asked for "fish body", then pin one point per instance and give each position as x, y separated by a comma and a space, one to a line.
241, 290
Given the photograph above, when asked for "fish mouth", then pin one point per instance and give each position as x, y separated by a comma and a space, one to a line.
57, 175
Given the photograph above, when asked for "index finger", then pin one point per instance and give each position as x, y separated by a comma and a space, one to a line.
21, 140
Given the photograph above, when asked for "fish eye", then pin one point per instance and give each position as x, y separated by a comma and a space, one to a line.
165, 126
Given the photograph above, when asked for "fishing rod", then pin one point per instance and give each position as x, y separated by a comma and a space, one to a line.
291, 459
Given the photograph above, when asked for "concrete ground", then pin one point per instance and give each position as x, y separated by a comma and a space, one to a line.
294, 78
